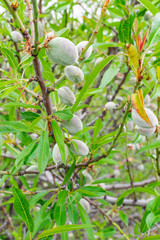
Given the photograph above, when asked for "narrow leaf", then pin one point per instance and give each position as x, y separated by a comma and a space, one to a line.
21, 207
147, 4
61, 229
25, 152
59, 139
85, 220
155, 237
91, 78
69, 173
155, 144
43, 152
33, 200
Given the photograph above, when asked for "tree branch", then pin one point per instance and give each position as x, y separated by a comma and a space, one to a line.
108, 217
17, 19
128, 185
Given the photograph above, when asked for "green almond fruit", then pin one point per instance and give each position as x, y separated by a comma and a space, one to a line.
74, 74
62, 51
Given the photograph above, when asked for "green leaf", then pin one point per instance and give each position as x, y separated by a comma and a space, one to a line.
33, 200
137, 189
104, 202
155, 30
64, 114
155, 144
147, 4
98, 126
21, 207
69, 173
10, 58
63, 32
6, 82
13, 126
60, 215
91, 191
24, 137
59, 139
1, 143
151, 215
125, 27
8, 90
62, 196
19, 104
41, 215
143, 226
43, 152
109, 231
155, 237
109, 75
153, 205
123, 217
72, 212
61, 229
85, 220
150, 219
29, 116
106, 180
91, 78
25, 152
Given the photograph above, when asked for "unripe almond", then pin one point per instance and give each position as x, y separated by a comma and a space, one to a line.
73, 126
85, 204
110, 105
16, 36
141, 122
146, 131
57, 155
62, 51
74, 74
82, 150
66, 95
81, 46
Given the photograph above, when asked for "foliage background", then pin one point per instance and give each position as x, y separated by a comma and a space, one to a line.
120, 175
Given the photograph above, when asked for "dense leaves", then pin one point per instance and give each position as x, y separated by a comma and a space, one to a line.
79, 143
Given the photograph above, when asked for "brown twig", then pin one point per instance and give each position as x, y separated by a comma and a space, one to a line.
7, 217
108, 217
46, 98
